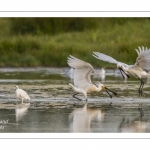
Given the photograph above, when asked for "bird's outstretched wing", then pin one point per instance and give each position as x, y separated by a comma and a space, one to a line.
104, 57
107, 58
82, 72
143, 59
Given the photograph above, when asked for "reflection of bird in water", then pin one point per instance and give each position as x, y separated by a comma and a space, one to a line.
82, 78
21, 94
21, 110
137, 125
82, 117
99, 74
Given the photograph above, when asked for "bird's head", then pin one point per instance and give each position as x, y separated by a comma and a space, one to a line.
123, 69
17, 87
103, 87
121, 66
100, 85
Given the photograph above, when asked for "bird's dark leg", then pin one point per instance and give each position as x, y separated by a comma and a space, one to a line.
141, 87
139, 91
141, 110
76, 97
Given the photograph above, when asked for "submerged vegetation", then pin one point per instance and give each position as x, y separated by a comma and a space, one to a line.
31, 42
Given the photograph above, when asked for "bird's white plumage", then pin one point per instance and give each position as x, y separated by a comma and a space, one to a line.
101, 71
82, 78
143, 59
138, 70
104, 57
107, 58
82, 72
21, 94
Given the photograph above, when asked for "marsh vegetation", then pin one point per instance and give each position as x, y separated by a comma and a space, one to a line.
32, 42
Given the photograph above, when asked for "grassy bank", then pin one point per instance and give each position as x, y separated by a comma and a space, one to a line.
116, 37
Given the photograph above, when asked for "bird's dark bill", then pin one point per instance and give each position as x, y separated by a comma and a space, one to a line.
107, 89
108, 94
121, 70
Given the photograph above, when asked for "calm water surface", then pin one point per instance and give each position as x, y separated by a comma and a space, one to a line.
53, 110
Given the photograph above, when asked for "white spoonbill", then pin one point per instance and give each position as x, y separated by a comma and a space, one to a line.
138, 70
21, 94
82, 78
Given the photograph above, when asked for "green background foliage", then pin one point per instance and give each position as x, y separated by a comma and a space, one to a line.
31, 42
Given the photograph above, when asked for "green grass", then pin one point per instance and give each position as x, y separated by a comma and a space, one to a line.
117, 37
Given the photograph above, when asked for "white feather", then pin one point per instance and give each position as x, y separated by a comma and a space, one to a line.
82, 72
21, 94
143, 59
107, 58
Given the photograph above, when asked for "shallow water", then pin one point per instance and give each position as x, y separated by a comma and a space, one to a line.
52, 108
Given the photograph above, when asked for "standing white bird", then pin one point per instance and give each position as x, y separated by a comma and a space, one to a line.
100, 71
82, 78
21, 94
138, 69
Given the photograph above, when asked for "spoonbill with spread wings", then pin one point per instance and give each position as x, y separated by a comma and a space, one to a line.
138, 70
82, 78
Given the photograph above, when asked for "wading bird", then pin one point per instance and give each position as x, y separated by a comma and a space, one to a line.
100, 72
138, 70
21, 94
82, 78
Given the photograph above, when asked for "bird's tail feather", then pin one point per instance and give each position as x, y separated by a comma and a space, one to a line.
71, 85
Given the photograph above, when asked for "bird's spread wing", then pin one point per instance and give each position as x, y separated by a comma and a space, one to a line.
82, 72
104, 57
143, 59
107, 58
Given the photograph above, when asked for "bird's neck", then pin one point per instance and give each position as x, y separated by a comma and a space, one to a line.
99, 88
